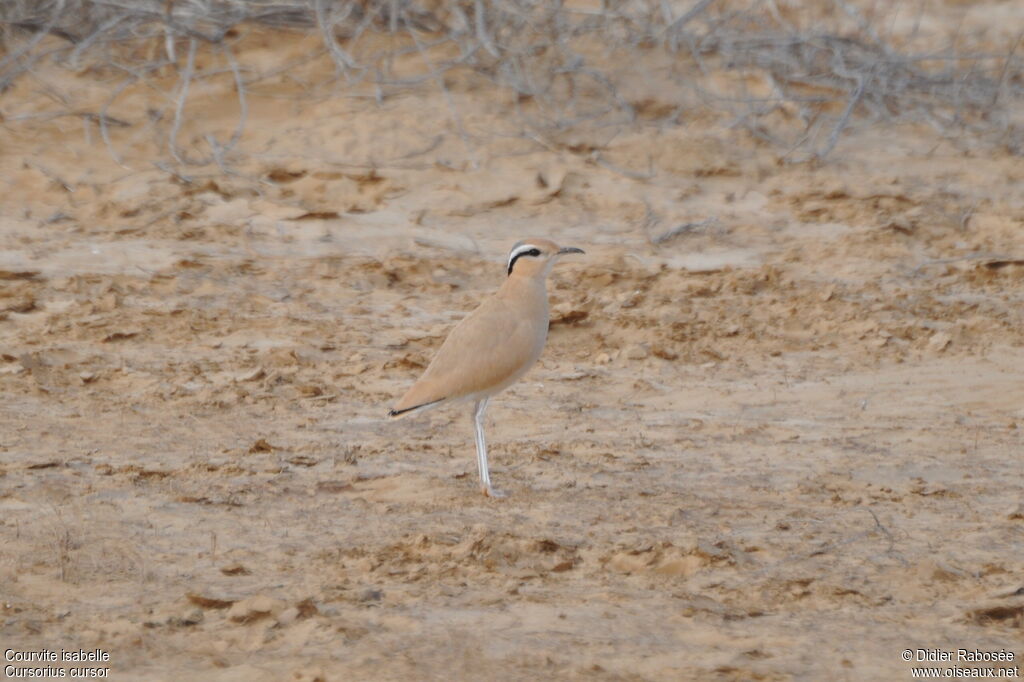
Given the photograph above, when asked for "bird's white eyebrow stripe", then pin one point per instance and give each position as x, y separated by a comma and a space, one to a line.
518, 251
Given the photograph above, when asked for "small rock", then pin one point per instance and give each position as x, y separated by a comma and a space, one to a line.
230, 212
630, 300
392, 340
251, 375
209, 602
446, 242
901, 224
306, 608
939, 341
192, 617
175, 616
255, 608
664, 353
1009, 614
862, 328
354, 369
276, 212
637, 352
288, 616
371, 595
25, 304
261, 446
120, 335
235, 569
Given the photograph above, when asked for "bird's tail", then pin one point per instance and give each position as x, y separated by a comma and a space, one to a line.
395, 414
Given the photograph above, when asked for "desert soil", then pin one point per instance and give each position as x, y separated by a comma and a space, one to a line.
784, 443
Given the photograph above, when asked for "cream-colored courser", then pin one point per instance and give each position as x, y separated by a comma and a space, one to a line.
493, 346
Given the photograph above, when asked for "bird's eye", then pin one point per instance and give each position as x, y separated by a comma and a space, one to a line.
532, 252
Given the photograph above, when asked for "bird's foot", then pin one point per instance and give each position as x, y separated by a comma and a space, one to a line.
493, 492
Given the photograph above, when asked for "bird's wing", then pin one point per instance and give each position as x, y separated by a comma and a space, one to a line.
489, 347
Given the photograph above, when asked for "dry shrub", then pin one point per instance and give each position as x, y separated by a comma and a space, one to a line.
794, 74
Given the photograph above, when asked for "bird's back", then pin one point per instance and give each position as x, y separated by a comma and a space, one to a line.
488, 350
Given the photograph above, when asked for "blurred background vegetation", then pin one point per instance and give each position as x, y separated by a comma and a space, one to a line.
796, 75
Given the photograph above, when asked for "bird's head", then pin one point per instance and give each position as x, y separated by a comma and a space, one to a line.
535, 257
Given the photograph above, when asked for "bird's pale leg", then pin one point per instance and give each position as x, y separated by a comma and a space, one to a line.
481, 451
481, 445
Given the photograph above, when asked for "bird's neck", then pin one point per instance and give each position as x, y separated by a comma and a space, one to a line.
525, 288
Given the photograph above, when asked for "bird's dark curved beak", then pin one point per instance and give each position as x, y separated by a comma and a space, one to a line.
569, 249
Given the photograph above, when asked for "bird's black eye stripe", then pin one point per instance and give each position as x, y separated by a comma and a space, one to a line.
516, 256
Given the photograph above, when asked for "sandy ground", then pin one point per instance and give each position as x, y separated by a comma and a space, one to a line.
783, 444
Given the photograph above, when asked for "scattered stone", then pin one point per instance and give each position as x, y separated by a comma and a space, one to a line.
637, 352
664, 353
288, 616
209, 602
371, 595
235, 569
392, 339
251, 375
24, 304
261, 446
307, 609
252, 609
119, 336
999, 614
230, 212
191, 617
175, 616
939, 341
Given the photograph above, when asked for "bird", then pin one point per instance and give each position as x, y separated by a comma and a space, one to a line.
492, 347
